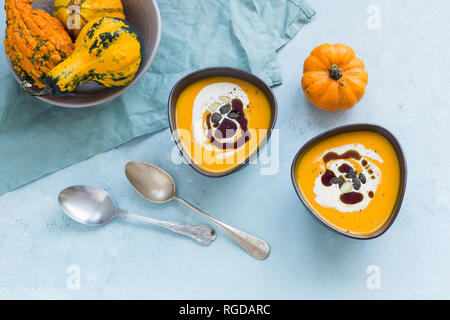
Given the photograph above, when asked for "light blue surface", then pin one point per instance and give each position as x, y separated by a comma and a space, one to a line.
408, 65
37, 138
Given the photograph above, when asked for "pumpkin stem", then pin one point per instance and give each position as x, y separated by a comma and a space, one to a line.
335, 72
32, 91
75, 2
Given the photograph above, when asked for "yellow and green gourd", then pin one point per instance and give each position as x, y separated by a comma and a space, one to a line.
108, 51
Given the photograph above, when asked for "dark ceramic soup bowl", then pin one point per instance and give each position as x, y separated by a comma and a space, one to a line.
350, 128
218, 72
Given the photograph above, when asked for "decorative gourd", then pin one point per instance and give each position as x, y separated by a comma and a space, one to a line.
35, 41
107, 51
333, 78
74, 14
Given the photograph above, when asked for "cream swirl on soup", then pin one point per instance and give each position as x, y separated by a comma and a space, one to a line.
218, 119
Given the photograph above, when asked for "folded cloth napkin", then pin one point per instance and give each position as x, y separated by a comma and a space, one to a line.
37, 138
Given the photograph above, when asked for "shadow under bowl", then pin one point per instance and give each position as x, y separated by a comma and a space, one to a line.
218, 72
351, 128
145, 17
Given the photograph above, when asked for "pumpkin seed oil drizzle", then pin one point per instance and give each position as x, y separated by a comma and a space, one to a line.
329, 178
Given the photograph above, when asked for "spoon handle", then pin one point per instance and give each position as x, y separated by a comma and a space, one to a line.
257, 248
203, 234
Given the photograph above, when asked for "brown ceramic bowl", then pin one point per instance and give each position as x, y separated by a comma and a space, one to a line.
218, 72
350, 128
144, 16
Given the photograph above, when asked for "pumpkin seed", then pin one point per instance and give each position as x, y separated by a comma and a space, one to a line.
213, 107
225, 99
233, 115
225, 108
356, 183
346, 187
216, 117
362, 177
351, 174
338, 181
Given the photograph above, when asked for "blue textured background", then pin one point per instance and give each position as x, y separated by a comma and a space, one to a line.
408, 65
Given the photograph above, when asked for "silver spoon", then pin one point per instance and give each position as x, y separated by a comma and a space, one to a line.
94, 207
158, 186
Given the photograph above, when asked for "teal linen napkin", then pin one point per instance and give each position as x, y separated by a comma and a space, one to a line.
37, 138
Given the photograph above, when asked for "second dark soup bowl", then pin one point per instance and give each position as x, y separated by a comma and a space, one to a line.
352, 128
195, 76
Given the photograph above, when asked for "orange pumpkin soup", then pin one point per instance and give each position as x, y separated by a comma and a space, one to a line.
351, 180
221, 121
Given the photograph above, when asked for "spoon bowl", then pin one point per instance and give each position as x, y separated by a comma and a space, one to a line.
151, 182
88, 205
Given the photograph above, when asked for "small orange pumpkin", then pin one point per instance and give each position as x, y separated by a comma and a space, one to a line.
333, 77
